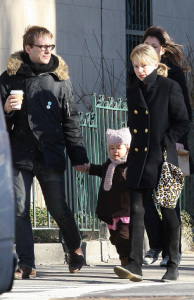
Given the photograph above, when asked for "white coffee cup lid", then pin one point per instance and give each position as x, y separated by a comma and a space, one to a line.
16, 92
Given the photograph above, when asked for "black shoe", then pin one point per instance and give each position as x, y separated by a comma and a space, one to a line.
130, 271
76, 260
170, 275
22, 272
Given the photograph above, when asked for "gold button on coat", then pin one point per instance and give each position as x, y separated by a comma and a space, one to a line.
146, 112
146, 149
135, 130
135, 112
136, 150
146, 130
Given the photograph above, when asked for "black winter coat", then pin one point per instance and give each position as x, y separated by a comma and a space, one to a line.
157, 118
48, 121
177, 74
116, 202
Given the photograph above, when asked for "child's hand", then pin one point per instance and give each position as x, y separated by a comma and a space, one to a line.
87, 166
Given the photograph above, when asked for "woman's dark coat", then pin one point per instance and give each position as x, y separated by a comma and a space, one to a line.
177, 75
114, 203
48, 121
157, 117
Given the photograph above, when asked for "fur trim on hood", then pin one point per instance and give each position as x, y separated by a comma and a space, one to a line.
15, 61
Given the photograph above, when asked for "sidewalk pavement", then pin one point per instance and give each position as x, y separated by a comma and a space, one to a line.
98, 281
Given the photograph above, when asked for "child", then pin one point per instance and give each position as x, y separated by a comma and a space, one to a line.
113, 198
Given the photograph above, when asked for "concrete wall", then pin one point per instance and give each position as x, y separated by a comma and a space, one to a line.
177, 18
78, 26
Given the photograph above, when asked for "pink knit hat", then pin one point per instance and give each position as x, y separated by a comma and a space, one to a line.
115, 137
118, 137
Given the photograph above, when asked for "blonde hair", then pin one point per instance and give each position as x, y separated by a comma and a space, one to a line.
127, 146
147, 55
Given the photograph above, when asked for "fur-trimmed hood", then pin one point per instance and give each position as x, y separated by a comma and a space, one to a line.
15, 61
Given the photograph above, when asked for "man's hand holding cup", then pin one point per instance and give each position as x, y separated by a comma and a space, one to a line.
14, 101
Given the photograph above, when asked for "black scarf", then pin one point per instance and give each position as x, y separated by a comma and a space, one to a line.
28, 67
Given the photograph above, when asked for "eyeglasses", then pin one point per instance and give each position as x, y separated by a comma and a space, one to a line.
45, 47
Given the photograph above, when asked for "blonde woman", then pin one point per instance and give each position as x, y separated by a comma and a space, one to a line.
157, 118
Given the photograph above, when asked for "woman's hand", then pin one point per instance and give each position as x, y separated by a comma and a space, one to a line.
179, 146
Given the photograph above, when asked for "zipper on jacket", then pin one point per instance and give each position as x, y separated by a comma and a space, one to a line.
68, 110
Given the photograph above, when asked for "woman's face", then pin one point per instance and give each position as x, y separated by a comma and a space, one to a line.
142, 70
155, 43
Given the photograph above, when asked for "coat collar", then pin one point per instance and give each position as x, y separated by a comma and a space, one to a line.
15, 62
150, 79
135, 92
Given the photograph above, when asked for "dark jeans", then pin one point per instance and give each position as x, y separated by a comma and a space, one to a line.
154, 225
53, 188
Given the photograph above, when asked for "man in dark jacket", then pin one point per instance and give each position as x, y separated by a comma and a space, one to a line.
39, 132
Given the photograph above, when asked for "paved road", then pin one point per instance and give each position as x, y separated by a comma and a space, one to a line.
99, 281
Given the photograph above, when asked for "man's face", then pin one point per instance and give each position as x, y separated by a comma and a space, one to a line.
36, 54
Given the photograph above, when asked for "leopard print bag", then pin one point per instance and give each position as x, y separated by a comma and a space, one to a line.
170, 185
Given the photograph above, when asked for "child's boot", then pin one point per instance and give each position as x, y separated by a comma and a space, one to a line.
124, 261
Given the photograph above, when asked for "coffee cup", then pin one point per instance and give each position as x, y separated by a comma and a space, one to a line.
19, 97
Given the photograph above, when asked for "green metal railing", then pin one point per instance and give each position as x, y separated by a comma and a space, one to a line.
82, 189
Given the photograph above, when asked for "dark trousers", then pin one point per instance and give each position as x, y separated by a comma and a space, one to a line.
120, 238
53, 188
154, 225
170, 221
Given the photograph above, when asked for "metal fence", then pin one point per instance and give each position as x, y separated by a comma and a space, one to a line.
82, 189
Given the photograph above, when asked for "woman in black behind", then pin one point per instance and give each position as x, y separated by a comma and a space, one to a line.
171, 55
